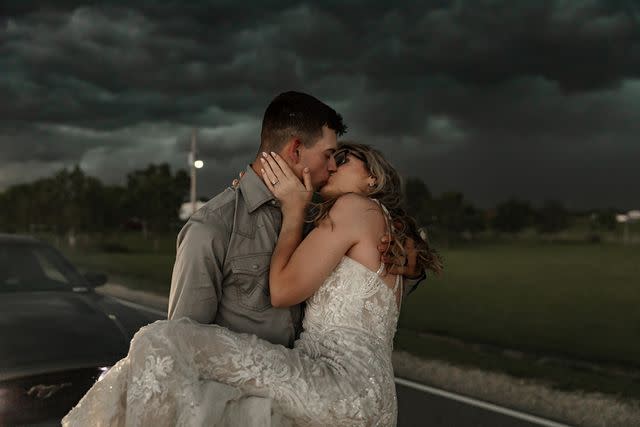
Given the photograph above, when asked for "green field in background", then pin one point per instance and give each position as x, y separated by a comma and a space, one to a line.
581, 301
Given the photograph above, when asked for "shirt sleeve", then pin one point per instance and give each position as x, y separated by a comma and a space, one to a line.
196, 281
410, 285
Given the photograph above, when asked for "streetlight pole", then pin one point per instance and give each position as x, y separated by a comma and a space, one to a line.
192, 160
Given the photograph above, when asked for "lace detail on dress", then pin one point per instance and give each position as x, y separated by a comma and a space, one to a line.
150, 381
339, 373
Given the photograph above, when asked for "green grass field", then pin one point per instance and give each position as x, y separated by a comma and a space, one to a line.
580, 301
574, 301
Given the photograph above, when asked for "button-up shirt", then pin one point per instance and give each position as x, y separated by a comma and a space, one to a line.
221, 272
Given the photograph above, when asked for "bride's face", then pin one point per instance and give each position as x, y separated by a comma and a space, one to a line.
351, 176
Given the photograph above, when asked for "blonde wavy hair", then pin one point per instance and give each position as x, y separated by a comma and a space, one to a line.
388, 191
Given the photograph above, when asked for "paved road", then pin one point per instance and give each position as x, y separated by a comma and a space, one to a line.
428, 407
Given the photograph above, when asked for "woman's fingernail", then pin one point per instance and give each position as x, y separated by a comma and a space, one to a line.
264, 154
273, 154
306, 170
262, 170
262, 160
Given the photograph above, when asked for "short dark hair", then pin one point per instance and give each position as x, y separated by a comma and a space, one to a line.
297, 114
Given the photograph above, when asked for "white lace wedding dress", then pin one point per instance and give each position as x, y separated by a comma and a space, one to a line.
179, 372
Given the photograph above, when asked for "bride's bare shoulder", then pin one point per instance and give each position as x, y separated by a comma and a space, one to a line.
355, 208
353, 201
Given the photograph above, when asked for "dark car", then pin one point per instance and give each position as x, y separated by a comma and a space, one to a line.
57, 335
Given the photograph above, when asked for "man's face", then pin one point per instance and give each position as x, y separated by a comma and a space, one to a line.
319, 158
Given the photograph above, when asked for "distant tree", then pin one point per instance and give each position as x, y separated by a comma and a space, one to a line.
417, 198
474, 219
154, 195
78, 200
450, 211
453, 213
513, 216
21, 210
604, 220
4, 225
85, 201
114, 212
552, 217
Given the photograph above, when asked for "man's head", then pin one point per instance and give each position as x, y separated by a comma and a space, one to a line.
304, 131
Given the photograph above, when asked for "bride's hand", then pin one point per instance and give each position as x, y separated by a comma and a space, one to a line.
284, 184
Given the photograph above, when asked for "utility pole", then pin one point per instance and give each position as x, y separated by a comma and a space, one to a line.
192, 165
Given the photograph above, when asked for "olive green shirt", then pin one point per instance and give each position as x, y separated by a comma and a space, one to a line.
222, 263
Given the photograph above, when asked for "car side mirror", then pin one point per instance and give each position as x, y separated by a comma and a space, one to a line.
95, 279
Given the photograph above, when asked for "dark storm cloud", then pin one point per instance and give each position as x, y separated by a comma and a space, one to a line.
517, 86
45, 142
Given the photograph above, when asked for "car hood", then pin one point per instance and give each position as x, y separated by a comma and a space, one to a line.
57, 329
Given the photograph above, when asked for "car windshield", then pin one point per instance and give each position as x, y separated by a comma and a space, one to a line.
35, 267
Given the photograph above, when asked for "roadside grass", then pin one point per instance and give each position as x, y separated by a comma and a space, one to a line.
131, 242
143, 271
557, 375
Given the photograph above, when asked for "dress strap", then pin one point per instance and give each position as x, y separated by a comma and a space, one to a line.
387, 221
386, 215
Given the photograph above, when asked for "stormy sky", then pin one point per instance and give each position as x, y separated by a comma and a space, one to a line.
533, 99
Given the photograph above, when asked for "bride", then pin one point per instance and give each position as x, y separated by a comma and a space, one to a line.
179, 372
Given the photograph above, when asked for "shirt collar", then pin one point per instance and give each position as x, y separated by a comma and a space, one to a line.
254, 191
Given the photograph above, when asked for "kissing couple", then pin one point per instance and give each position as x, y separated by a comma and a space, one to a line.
282, 310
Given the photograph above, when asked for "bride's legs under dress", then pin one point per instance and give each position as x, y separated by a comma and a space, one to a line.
188, 374
180, 376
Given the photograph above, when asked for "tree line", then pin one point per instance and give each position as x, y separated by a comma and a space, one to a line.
72, 201
451, 215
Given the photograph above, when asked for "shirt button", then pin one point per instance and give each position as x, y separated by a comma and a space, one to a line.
255, 266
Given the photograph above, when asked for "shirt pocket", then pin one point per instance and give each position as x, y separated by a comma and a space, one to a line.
251, 281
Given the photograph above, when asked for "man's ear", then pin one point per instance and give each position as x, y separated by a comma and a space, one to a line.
293, 151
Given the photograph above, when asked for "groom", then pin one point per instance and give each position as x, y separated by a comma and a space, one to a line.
224, 251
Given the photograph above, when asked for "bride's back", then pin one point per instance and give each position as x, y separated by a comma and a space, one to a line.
366, 250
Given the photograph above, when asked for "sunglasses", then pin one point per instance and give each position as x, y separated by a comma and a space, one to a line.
341, 157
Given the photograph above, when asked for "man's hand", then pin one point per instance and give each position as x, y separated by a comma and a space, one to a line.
405, 266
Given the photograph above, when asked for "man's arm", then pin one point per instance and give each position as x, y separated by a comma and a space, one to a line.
196, 281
